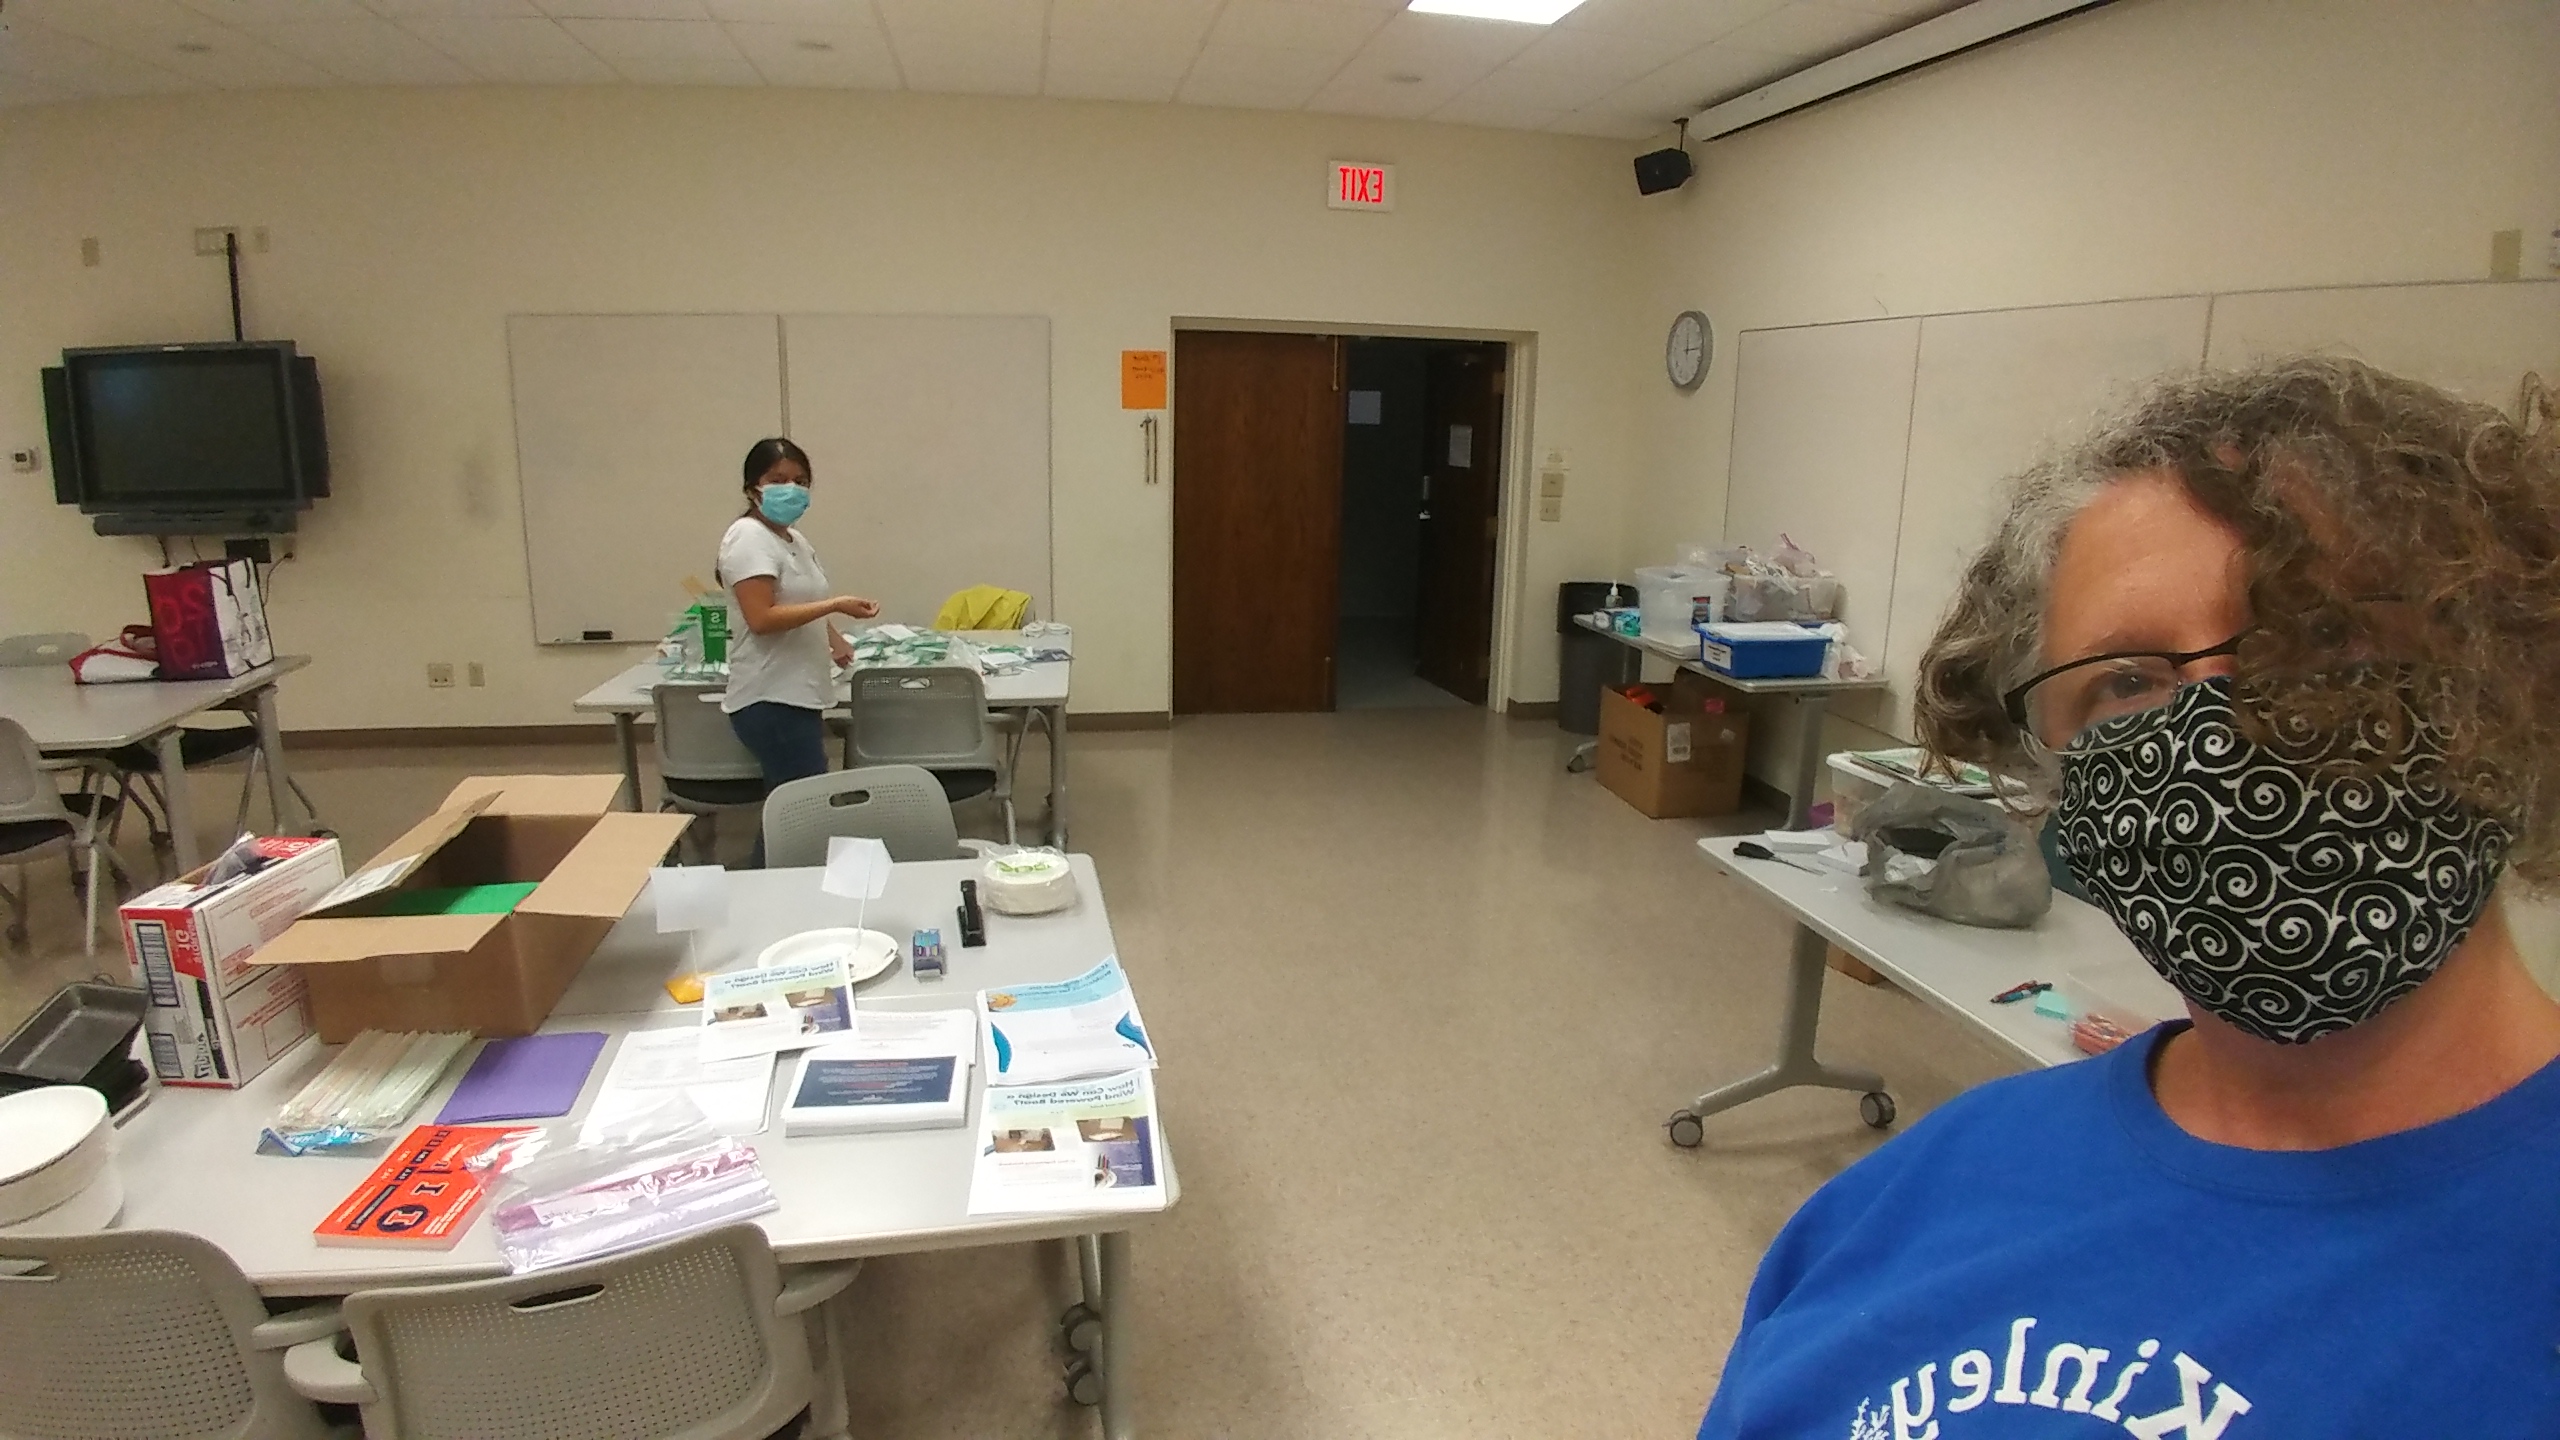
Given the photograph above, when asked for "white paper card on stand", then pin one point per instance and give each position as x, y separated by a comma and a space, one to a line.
857, 868
648, 1064
1069, 1030
690, 897
780, 1007
1052, 1149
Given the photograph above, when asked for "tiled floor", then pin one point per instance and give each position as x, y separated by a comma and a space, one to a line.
1424, 1001
1374, 669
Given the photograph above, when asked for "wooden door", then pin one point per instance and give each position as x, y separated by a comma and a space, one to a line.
1453, 616
1257, 520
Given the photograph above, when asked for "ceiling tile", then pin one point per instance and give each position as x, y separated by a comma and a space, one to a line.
687, 70
38, 54
1133, 17
1615, 55
967, 47
366, 51
1811, 29
1548, 90
1471, 109
623, 9
1136, 55
1258, 67
1676, 24
1245, 89
1699, 79
856, 58
1609, 124
1910, 11
1348, 96
1073, 82
1442, 49
992, 19
1287, 25
617, 40
274, 12
16, 89
825, 14
483, 9
514, 52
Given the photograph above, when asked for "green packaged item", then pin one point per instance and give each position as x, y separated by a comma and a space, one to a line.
713, 617
464, 900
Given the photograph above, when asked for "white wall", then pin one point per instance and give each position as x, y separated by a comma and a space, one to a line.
2153, 147
406, 225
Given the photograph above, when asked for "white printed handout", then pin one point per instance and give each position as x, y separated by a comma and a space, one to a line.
904, 1070
1051, 1149
1064, 1031
650, 1065
780, 1007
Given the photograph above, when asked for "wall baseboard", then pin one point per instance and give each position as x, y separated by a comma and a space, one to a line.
1120, 720
451, 736
1530, 709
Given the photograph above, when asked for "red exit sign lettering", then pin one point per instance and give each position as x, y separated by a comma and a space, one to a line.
1362, 187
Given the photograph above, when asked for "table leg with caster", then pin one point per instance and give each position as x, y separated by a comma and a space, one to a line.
1796, 1064
1096, 1332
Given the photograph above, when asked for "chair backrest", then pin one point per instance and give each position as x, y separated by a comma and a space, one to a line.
695, 741
53, 649
136, 1332
930, 715
679, 1340
27, 791
901, 806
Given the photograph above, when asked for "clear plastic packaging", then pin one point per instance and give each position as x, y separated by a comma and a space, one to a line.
365, 1094
653, 1176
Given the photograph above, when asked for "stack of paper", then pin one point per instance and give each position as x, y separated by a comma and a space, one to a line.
1069, 1030
1083, 1146
903, 1070
652, 1068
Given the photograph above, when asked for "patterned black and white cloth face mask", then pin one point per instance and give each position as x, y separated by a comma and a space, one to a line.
2286, 903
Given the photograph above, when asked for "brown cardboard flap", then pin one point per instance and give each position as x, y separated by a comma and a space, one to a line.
603, 875
335, 942
540, 794
400, 859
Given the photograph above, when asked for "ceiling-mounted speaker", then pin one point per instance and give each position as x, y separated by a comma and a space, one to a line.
1662, 170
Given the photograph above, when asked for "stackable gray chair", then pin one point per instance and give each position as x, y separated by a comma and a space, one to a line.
55, 648
702, 1338
901, 806
145, 1332
935, 717
704, 769
37, 820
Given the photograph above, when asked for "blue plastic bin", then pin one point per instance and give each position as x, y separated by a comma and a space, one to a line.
1732, 650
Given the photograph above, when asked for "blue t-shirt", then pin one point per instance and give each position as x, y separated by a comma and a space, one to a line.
2050, 1255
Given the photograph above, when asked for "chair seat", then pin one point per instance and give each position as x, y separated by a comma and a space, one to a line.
720, 793
965, 784
195, 747
17, 837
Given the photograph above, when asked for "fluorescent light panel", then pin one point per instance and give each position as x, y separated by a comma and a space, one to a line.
1524, 12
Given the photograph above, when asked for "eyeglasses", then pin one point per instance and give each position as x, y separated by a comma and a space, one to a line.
2059, 707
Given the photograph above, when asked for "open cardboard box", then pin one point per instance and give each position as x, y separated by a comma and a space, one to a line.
1684, 760
495, 975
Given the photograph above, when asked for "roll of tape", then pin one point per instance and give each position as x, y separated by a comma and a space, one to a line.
1030, 882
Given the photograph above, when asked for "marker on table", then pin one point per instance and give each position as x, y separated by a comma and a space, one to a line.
1754, 850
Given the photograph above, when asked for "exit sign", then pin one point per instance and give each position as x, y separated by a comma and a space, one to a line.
1361, 187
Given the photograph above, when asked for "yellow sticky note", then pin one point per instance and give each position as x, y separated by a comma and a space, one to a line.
686, 989
1141, 379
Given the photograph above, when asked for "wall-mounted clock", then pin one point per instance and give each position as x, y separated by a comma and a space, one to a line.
1690, 349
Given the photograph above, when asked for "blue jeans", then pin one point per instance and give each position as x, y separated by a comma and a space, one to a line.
789, 743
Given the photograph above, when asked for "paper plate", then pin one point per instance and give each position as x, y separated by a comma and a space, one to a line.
53, 1143
866, 952
88, 1212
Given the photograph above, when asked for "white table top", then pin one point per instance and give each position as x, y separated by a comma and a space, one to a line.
66, 716
188, 1158
1685, 656
1044, 683
1957, 968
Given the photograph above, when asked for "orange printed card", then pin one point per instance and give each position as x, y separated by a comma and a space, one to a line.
423, 1194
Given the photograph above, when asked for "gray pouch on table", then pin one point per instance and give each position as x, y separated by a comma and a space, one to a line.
1954, 857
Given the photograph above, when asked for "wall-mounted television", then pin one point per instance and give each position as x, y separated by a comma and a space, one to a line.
226, 435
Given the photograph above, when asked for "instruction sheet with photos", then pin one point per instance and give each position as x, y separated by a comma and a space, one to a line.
1062, 1149
783, 1007
1068, 1030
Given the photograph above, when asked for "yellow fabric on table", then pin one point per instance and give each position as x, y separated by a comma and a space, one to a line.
984, 607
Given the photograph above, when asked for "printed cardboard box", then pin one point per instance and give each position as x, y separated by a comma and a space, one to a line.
217, 1020
1684, 761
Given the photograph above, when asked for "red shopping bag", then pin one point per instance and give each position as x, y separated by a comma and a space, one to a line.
209, 620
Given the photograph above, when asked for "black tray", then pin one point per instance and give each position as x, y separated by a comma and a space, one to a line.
79, 1037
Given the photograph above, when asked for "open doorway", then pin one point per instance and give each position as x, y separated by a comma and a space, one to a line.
1336, 519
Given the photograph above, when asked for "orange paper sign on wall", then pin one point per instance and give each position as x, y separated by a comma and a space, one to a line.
1141, 379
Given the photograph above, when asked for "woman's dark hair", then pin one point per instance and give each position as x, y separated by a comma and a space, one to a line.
765, 454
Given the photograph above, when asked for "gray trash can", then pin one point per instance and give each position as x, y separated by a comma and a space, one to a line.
1588, 661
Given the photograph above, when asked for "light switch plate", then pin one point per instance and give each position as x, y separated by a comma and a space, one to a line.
1550, 509
27, 461
1551, 484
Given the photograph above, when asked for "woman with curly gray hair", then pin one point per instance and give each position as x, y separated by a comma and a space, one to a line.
2283, 647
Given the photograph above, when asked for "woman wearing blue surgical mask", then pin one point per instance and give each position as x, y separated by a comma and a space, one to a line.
2284, 648
780, 681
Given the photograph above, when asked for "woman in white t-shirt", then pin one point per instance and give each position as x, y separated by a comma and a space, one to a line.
780, 675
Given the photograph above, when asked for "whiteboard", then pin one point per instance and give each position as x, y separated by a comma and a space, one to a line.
928, 437
2476, 340
1821, 420
1996, 392
629, 430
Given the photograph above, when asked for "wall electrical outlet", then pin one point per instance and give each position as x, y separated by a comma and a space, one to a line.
89, 251
439, 674
2506, 254
476, 673
27, 461
209, 238
1551, 509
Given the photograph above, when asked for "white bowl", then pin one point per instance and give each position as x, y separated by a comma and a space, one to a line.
93, 1209
866, 952
53, 1142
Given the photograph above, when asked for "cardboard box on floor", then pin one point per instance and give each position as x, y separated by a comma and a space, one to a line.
495, 975
1685, 761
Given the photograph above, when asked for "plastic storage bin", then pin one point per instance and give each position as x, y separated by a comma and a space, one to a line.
1771, 650
1668, 596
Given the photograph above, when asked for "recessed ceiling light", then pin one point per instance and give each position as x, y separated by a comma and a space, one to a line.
821, 46
193, 47
1525, 12
1404, 77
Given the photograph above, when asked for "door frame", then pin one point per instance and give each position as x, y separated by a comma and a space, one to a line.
1511, 502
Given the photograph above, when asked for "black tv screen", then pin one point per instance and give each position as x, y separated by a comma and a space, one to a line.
190, 427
